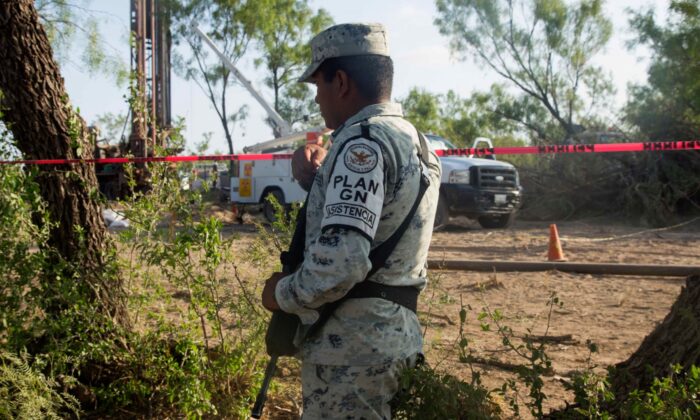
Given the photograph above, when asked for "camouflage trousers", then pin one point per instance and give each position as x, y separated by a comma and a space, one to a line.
350, 392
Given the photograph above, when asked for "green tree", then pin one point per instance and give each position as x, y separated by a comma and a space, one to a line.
231, 24
284, 34
45, 126
111, 127
544, 48
668, 107
74, 32
461, 120
423, 109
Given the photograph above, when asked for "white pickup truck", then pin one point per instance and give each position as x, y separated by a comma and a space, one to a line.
479, 188
252, 181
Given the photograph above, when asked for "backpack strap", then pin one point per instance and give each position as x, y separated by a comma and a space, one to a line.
379, 255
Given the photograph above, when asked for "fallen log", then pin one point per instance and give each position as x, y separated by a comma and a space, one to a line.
568, 267
507, 366
552, 339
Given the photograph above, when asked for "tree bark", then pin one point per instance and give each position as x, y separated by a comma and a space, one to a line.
43, 124
675, 341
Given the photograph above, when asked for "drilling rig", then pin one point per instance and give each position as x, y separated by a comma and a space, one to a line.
150, 104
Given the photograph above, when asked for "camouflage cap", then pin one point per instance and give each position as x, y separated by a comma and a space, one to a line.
344, 40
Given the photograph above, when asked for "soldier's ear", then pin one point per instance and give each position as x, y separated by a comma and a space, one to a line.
342, 83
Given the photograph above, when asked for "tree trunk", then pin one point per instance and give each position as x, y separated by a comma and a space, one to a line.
675, 341
43, 124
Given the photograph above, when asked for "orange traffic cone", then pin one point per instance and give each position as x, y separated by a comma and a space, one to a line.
555, 252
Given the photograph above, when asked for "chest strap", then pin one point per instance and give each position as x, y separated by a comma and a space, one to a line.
406, 296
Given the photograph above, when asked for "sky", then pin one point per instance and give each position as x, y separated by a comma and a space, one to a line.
421, 58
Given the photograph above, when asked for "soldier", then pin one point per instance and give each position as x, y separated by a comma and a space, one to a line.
371, 181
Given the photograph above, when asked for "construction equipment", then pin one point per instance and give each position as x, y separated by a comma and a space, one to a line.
150, 110
256, 182
280, 126
150, 61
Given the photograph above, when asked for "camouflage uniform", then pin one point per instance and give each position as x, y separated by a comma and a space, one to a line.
346, 40
360, 196
350, 392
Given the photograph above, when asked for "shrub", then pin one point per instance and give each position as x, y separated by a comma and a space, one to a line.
199, 331
428, 394
26, 393
195, 345
673, 397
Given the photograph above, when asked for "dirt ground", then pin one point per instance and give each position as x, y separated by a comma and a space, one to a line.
615, 312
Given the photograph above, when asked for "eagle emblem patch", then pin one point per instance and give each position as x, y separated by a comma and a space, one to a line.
360, 158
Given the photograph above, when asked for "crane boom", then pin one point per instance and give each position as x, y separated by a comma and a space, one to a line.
282, 127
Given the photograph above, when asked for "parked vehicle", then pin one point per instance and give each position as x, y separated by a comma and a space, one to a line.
254, 181
484, 189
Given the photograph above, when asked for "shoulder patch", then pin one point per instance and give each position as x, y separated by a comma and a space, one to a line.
355, 189
360, 158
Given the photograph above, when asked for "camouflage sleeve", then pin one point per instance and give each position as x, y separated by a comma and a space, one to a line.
339, 258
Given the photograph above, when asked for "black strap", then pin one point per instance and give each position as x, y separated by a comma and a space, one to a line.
381, 253
406, 296
294, 256
364, 129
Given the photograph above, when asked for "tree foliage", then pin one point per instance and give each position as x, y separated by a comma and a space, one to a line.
111, 126
669, 105
544, 48
73, 27
283, 38
280, 28
461, 120
667, 108
231, 24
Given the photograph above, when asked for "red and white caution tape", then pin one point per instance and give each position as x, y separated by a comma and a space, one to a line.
665, 146
577, 148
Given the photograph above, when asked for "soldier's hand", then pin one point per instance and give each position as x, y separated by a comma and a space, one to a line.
268, 295
305, 162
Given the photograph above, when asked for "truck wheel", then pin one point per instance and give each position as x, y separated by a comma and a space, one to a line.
499, 221
268, 209
442, 214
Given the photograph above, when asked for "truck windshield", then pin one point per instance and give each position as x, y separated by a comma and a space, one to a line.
439, 143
